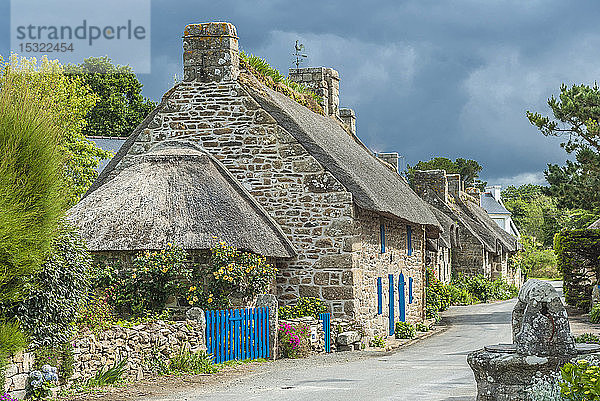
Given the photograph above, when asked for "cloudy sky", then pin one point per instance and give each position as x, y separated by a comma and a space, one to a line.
426, 78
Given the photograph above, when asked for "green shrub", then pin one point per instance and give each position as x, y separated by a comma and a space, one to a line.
96, 314
404, 330
595, 314
110, 375
59, 356
459, 296
421, 327
377, 341
294, 341
306, 306
485, 290
50, 310
587, 338
186, 361
580, 381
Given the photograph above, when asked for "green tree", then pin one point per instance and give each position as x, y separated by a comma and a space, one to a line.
576, 113
66, 101
121, 106
32, 197
468, 169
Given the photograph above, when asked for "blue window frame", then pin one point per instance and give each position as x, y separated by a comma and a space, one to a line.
382, 237
409, 240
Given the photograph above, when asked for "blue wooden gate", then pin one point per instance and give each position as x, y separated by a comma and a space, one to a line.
326, 318
237, 334
401, 298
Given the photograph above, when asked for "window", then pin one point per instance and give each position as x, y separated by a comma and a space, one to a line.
379, 296
409, 240
382, 237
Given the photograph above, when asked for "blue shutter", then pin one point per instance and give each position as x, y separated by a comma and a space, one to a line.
391, 288
409, 240
401, 299
379, 296
410, 290
382, 237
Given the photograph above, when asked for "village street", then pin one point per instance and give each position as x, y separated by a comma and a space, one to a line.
434, 369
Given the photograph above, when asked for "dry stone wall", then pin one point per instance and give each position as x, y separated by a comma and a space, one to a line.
16, 374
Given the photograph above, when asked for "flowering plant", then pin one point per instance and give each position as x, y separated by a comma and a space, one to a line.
235, 272
294, 340
7, 397
39, 383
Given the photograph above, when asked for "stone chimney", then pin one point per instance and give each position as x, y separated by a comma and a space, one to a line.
495, 190
210, 52
325, 82
390, 158
455, 185
349, 118
431, 186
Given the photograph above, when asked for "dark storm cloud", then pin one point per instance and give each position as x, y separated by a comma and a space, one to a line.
426, 78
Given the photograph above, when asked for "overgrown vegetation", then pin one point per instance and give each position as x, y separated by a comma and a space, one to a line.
111, 375
595, 314
580, 381
404, 330
60, 357
306, 306
377, 342
275, 80
587, 338
294, 341
186, 361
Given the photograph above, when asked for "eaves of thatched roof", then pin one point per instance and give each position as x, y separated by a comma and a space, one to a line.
374, 186
176, 193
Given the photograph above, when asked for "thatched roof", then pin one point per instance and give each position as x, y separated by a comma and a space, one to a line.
180, 194
374, 186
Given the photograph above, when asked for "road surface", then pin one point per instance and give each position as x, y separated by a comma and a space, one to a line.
433, 369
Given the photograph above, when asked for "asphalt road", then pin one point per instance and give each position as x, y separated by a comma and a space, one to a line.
433, 369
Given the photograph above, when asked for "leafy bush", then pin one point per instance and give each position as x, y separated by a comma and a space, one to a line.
306, 306
50, 310
59, 356
39, 383
588, 338
110, 375
595, 314
294, 341
459, 296
580, 381
377, 341
438, 296
421, 327
96, 314
186, 361
485, 290
404, 330
148, 283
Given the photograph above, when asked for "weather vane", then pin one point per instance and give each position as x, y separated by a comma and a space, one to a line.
298, 54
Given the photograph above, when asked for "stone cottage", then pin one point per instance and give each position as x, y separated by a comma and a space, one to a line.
477, 244
354, 224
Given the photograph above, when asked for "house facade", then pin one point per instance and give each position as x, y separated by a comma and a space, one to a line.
358, 231
477, 244
491, 202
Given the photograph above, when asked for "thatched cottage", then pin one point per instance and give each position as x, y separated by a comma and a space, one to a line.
352, 221
156, 200
476, 243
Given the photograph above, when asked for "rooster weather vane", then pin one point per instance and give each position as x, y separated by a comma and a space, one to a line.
299, 47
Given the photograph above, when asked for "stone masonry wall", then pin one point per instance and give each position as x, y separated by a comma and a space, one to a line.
16, 374
469, 259
441, 263
311, 206
369, 264
325, 82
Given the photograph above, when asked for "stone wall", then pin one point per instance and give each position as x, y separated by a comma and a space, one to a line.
441, 262
432, 187
370, 263
16, 374
139, 344
470, 258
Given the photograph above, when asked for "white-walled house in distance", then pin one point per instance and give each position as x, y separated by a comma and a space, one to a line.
491, 201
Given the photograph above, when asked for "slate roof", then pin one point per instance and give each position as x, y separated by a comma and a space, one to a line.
178, 193
491, 205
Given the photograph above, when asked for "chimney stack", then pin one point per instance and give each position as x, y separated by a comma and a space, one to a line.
325, 82
390, 158
455, 185
431, 186
349, 118
210, 52
495, 190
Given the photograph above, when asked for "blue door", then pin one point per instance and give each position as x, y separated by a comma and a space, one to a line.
401, 299
391, 314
